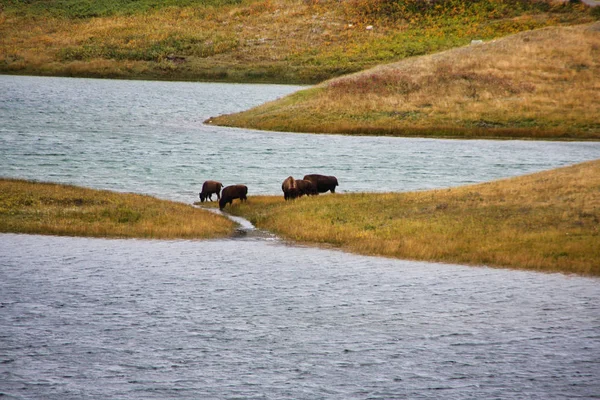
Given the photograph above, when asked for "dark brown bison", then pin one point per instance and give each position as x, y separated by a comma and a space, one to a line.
293, 188
209, 188
232, 192
306, 187
289, 188
322, 182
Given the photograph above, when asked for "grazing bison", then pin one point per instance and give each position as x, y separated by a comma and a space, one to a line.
322, 182
290, 190
232, 192
293, 188
208, 188
306, 187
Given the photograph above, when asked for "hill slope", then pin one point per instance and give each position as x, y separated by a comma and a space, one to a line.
538, 84
291, 41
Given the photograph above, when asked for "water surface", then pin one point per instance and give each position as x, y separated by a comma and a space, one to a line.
148, 137
255, 317
258, 319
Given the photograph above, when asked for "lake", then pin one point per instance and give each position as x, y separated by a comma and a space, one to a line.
148, 137
255, 317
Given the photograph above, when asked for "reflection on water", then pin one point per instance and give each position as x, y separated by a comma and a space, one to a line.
254, 317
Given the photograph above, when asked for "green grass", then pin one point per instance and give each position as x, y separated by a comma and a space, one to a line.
548, 221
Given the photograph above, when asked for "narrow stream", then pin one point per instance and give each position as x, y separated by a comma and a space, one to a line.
245, 228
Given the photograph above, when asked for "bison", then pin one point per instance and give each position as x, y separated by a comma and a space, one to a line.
232, 192
293, 188
208, 188
289, 188
323, 183
306, 187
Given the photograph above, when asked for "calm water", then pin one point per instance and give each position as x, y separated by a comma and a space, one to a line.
253, 317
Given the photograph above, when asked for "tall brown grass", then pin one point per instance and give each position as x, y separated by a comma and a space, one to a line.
539, 84
548, 221
54, 209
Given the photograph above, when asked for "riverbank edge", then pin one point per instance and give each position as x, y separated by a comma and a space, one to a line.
158, 78
541, 205
441, 132
543, 222
279, 42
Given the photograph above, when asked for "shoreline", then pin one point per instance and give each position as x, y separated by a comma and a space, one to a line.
545, 222
152, 78
259, 41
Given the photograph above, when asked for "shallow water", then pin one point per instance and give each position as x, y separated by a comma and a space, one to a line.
255, 317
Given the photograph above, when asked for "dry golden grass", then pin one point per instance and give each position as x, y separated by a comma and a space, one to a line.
246, 41
548, 221
53, 209
538, 84
255, 40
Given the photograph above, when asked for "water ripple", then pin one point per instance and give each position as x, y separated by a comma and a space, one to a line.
254, 317
148, 137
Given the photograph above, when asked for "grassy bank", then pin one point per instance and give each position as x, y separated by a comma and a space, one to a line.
293, 41
542, 84
548, 221
53, 209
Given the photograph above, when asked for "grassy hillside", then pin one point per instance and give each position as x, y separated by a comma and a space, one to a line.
542, 84
291, 41
548, 221
53, 209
